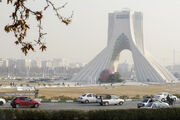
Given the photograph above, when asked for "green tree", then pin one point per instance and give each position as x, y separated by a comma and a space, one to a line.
114, 78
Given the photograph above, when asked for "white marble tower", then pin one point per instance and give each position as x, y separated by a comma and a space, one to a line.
125, 32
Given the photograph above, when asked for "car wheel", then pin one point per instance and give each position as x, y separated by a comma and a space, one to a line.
36, 105
1, 103
163, 100
138, 107
106, 103
86, 101
120, 103
17, 106
13, 106
101, 104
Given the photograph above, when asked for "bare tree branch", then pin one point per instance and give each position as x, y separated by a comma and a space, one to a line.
20, 27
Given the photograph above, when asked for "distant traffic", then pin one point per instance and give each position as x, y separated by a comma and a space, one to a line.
92, 101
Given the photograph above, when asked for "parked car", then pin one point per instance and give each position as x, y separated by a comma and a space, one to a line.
2, 101
162, 96
24, 102
157, 104
109, 100
87, 98
144, 102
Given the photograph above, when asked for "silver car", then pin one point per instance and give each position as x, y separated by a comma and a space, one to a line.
157, 104
162, 96
109, 100
87, 98
144, 102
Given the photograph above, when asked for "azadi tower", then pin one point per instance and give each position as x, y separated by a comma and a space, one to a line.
125, 31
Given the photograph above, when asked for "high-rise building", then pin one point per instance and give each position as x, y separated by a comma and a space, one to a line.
20, 63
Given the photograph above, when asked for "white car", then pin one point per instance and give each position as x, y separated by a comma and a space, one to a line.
162, 96
157, 104
109, 100
2, 101
87, 98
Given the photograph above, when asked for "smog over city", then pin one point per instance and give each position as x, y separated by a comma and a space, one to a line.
87, 59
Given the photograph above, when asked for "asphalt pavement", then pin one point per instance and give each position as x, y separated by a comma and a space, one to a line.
80, 106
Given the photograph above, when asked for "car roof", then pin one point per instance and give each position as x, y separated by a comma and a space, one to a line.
148, 98
104, 94
88, 93
21, 97
163, 93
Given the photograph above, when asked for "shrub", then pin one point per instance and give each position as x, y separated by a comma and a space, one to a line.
8, 98
46, 100
124, 97
59, 98
145, 96
118, 114
136, 97
62, 98
177, 95
43, 97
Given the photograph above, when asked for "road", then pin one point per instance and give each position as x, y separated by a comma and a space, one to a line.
79, 106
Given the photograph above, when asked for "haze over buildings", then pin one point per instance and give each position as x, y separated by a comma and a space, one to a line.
88, 31
55, 68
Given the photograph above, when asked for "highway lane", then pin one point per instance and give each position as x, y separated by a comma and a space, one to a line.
80, 106
91, 106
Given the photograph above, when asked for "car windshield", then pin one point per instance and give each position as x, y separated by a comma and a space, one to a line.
170, 95
145, 100
149, 104
114, 97
84, 95
27, 99
14, 98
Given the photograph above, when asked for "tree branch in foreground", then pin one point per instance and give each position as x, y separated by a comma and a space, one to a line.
20, 27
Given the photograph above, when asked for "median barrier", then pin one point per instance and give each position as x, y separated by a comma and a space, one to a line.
69, 101
128, 100
57, 101
46, 101
54, 101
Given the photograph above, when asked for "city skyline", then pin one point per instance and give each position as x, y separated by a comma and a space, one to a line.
28, 68
56, 62
88, 31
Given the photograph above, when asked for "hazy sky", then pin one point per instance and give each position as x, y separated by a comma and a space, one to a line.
86, 36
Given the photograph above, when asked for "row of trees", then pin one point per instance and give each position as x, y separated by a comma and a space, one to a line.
115, 77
